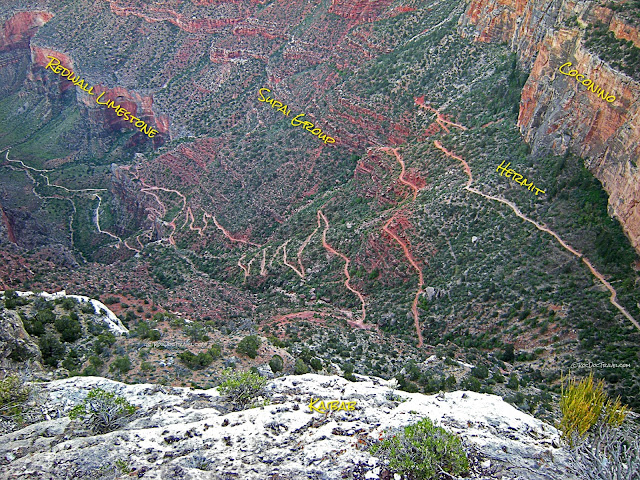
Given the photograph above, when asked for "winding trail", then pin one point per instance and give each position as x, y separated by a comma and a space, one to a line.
403, 244
413, 187
284, 259
96, 220
543, 228
326, 245
89, 192
414, 264
440, 119
263, 270
244, 268
231, 237
275, 254
302, 247
191, 227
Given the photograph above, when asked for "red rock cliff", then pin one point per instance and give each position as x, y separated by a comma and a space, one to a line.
556, 112
18, 29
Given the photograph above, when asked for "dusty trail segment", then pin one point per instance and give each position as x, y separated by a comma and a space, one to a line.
414, 264
440, 119
326, 245
413, 187
543, 228
284, 260
404, 246
89, 192
231, 237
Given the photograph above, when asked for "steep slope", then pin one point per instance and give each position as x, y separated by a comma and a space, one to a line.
556, 112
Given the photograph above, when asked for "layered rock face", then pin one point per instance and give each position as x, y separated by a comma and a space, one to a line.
19, 28
185, 433
558, 113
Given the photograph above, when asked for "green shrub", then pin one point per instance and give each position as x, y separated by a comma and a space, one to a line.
46, 316
584, 404
480, 372
10, 299
241, 388
104, 411
249, 346
71, 361
13, 397
70, 328
300, 367
143, 330
51, 348
196, 332
33, 326
147, 367
508, 355
316, 364
88, 308
276, 364
421, 451
68, 303
122, 363
202, 359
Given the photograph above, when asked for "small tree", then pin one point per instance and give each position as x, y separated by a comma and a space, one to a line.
249, 346
423, 451
241, 387
300, 367
316, 364
51, 348
122, 363
276, 364
104, 411
70, 328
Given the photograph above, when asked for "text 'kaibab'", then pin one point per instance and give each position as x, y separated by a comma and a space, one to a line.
55, 67
333, 405
284, 109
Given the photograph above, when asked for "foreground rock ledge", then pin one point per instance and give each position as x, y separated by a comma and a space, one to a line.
283, 440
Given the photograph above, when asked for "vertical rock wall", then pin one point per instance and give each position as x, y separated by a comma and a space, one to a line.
558, 113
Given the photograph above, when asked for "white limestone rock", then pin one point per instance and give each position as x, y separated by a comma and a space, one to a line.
177, 428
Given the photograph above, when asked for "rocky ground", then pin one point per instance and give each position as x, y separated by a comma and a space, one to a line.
194, 434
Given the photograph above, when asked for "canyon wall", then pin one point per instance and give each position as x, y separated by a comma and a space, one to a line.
557, 112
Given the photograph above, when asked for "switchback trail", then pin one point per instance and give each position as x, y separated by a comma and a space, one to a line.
404, 246
231, 237
414, 264
413, 187
284, 260
326, 245
440, 119
543, 228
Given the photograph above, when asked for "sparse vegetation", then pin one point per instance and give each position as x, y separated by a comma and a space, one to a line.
249, 346
585, 406
104, 411
241, 388
14, 394
422, 451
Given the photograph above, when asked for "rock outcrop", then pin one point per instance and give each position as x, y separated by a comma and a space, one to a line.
177, 430
557, 113
16, 31
18, 352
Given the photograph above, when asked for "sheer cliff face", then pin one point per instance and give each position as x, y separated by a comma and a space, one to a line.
557, 112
